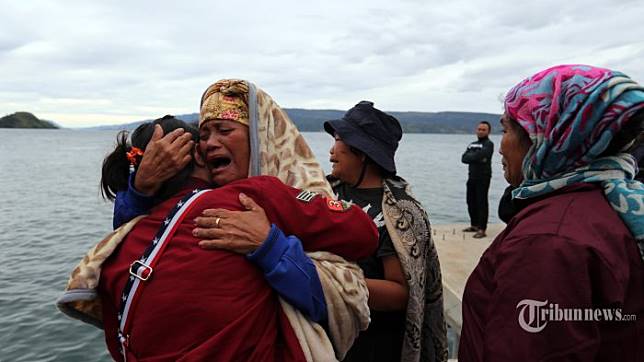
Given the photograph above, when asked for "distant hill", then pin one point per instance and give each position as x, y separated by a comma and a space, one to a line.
192, 118
24, 120
312, 120
411, 122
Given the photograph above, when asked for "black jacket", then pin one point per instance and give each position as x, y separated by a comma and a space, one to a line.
478, 156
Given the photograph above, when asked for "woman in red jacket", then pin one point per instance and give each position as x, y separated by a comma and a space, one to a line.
194, 304
565, 279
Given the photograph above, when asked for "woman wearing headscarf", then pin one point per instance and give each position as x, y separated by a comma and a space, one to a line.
243, 133
274, 147
403, 275
294, 164
565, 279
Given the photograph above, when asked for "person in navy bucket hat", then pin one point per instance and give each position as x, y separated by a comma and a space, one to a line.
371, 131
403, 275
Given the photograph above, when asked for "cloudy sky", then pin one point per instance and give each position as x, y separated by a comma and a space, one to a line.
84, 63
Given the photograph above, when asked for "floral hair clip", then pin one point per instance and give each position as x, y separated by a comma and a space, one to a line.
131, 155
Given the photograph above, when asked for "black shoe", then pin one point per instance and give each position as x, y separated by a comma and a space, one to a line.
471, 229
479, 234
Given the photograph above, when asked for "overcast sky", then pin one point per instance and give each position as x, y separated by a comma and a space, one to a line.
84, 63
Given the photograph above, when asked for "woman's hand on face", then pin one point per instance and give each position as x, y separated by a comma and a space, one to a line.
237, 231
164, 157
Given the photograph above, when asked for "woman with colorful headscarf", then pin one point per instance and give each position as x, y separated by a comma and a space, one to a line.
565, 279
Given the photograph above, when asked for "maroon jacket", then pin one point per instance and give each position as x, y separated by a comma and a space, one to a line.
570, 249
204, 305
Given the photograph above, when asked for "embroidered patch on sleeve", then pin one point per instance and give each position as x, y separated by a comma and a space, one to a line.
338, 205
306, 196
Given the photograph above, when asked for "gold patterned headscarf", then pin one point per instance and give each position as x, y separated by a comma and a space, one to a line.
227, 99
277, 147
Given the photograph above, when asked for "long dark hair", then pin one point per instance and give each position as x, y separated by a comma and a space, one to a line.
116, 166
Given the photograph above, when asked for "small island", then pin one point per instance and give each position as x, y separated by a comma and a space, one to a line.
24, 120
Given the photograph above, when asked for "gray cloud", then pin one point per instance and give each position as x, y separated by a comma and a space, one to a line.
80, 62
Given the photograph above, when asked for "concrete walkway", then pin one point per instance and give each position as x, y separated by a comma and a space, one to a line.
459, 253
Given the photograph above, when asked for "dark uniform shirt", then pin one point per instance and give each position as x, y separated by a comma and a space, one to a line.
382, 341
478, 156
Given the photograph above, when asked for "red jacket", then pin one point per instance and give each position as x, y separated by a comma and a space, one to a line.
570, 249
216, 305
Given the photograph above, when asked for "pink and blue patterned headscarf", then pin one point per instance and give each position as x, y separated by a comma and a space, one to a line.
571, 113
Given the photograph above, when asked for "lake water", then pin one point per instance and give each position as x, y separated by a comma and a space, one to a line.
51, 213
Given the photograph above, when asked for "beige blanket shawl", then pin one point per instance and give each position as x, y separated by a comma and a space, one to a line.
346, 295
80, 299
408, 225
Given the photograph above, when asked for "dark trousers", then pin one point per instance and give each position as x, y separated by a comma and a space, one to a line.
477, 205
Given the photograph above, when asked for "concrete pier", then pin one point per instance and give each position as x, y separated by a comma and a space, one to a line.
459, 253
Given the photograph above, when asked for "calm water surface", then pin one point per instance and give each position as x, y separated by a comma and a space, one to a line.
51, 213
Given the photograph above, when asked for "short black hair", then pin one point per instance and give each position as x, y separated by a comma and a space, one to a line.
116, 166
489, 126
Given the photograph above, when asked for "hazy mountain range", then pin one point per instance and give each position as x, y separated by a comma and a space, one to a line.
312, 120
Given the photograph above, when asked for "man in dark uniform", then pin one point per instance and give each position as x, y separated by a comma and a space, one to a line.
478, 156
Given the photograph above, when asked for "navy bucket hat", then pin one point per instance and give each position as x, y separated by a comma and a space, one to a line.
370, 130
